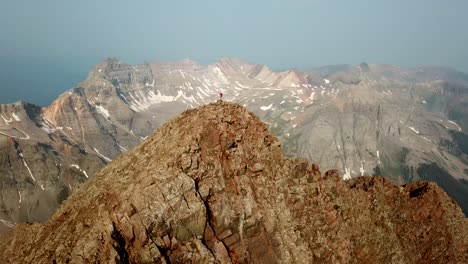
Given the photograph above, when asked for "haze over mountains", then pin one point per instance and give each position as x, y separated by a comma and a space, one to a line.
37, 80
405, 124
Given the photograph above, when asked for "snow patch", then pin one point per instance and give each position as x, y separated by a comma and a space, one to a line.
361, 169
388, 92
123, 96
20, 154
378, 157
7, 121
426, 139
151, 85
326, 81
6, 223
203, 91
452, 122
220, 74
311, 97
29, 170
265, 108
16, 117
82, 171
123, 148
102, 156
414, 130
26, 136
347, 175
101, 110
188, 98
146, 101
46, 126
241, 86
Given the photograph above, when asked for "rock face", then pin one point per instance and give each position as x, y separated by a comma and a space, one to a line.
370, 119
212, 186
39, 167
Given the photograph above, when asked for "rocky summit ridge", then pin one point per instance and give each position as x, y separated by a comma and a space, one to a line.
212, 186
369, 119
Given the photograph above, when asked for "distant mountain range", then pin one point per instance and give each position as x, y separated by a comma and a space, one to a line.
404, 124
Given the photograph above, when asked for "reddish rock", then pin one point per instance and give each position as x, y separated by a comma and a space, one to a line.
186, 196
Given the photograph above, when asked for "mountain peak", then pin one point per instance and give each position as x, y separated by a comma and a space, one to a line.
232, 60
212, 186
107, 64
364, 67
188, 61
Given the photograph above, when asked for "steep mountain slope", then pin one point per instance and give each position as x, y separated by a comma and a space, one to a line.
364, 120
47, 152
39, 166
212, 186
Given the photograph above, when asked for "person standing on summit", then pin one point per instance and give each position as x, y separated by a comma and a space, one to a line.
221, 96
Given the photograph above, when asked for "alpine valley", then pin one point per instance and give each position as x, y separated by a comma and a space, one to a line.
371, 119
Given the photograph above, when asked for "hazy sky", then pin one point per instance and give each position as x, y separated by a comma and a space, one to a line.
72, 36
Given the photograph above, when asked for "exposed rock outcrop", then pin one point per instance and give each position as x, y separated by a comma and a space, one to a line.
212, 186
39, 167
383, 120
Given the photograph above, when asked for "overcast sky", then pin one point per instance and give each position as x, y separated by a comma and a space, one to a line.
71, 36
